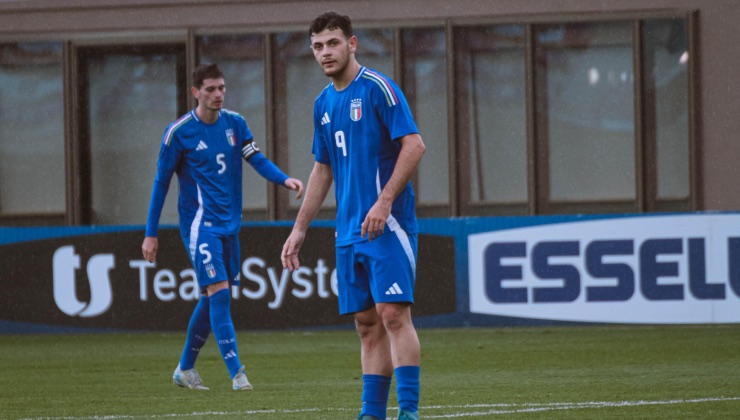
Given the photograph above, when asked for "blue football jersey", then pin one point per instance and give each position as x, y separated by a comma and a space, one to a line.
355, 131
208, 161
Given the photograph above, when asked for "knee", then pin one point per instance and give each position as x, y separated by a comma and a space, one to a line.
367, 325
395, 316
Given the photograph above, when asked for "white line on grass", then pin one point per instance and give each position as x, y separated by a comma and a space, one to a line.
495, 409
534, 407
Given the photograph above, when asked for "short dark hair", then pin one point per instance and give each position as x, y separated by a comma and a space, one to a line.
331, 20
205, 71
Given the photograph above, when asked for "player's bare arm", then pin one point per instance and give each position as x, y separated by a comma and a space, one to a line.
412, 149
318, 186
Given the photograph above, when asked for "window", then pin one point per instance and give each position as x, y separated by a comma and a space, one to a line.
666, 112
32, 133
425, 87
132, 94
549, 115
552, 118
584, 91
492, 119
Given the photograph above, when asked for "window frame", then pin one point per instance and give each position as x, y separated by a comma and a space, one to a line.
76, 143
539, 202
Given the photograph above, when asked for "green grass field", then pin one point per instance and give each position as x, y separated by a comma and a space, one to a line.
616, 372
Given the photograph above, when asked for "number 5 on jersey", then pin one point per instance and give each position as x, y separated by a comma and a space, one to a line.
205, 253
222, 165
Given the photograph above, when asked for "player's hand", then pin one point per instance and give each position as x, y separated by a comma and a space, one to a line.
374, 223
149, 248
289, 256
295, 185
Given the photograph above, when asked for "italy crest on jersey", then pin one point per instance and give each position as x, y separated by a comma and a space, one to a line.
230, 137
211, 271
355, 110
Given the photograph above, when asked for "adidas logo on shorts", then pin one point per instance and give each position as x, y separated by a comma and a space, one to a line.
394, 290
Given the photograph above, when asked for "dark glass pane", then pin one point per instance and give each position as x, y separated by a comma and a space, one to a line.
133, 97
425, 87
666, 59
31, 129
491, 65
584, 92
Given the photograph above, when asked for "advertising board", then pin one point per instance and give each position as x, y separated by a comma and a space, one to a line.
101, 281
652, 269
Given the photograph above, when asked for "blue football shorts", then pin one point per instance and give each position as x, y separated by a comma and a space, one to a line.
215, 257
379, 271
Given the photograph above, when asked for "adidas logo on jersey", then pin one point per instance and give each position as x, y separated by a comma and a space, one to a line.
394, 290
201, 146
325, 119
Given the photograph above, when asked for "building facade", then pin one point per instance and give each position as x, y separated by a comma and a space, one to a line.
527, 108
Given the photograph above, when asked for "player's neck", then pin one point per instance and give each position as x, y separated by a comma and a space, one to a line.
208, 116
348, 75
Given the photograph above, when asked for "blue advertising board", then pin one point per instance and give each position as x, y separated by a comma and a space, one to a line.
634, 269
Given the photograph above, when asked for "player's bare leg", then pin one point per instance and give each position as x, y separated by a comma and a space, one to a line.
404, 343
377, 368
376, 350
405, 355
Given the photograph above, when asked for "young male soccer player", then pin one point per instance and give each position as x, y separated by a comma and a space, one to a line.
366, 142
205, 148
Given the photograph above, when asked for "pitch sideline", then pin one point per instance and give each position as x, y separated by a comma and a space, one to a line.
502, 408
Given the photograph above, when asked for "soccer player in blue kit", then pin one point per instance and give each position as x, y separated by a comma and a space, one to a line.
205, 147
366, 142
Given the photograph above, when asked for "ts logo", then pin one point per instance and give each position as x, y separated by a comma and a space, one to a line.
65, 263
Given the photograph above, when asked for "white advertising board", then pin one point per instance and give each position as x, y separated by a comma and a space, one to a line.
682, 269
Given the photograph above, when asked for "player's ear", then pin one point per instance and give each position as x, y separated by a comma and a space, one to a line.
194, 91
352, 44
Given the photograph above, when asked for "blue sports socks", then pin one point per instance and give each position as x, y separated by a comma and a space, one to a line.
375, 390
223, 329
198, 330
407, 387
